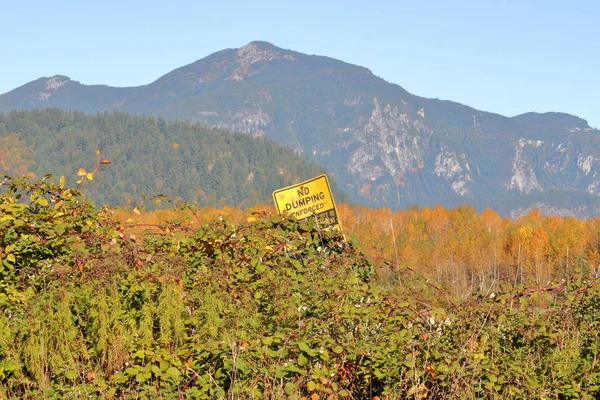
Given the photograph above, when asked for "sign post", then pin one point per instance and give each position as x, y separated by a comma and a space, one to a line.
311, 198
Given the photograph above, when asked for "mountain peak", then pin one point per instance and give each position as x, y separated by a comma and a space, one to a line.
45, 87
56, 82
259, 51
555, 119
263, 45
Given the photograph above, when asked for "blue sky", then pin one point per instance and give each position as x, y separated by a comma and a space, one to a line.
508, 57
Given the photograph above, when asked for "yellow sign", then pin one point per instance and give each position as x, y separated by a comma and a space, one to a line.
311, 198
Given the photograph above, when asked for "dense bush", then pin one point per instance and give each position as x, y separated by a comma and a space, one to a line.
274, 308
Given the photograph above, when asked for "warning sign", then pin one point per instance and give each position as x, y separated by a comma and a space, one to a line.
311, 198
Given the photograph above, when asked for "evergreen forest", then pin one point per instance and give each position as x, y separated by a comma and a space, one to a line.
149, 157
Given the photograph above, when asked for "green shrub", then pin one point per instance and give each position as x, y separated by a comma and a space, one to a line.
272, 309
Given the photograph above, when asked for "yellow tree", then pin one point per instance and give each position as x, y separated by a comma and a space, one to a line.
16, 158
437, 224
490, 247
592, 252
463, 232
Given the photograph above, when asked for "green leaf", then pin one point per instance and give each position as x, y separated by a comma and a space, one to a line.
267, 340
71, 374
9, 365
280, 373
164, 365
302, 360
139, 354
173, 372
304, 347
290, 388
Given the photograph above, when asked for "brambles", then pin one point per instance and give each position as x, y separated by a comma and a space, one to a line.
273, 308
85, 176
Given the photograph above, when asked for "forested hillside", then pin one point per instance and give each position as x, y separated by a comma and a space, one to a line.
149, 157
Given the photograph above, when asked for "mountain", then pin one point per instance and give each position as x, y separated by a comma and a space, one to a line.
383, 145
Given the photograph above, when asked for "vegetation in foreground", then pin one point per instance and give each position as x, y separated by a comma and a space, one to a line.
271, 308
458, 249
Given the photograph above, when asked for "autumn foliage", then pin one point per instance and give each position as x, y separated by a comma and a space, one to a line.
458, 249
467, 252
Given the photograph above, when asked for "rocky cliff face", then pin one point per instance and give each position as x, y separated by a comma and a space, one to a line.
383, 145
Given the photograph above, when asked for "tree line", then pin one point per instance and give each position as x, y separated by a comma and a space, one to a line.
458, 249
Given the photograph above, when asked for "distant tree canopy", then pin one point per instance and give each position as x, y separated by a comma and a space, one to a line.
149, 157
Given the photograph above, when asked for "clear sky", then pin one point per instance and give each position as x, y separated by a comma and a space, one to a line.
503, 56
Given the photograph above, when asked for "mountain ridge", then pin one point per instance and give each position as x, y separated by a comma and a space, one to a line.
265, 45
384, 145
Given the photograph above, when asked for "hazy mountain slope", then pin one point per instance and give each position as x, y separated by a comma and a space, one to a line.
383, 145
